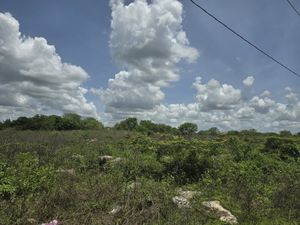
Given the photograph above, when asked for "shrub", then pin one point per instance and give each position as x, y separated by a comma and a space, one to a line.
25, 176
283, 147
6, 183
187, 167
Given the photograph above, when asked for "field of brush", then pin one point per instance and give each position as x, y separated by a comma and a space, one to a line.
119, 177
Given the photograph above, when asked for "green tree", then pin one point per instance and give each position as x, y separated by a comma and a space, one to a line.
146, 126
91, 124
7, 123
188, 128
213, 131
42, 122
69, 121
22, 123
76, 119
282, 146
285, 133
127, 124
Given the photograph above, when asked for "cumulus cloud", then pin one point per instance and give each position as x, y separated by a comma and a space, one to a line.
129, 94
291, 110
245, 117
262, 113
262, 105
266, 93
214, 96
221, 105
248, 81
147, 40
33, 78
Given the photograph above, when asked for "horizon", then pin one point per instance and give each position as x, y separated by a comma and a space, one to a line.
163, 61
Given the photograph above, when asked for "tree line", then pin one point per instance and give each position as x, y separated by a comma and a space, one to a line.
68, 121
148, 127
72, 121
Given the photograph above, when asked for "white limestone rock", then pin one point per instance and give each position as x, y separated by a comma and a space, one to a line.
217, 210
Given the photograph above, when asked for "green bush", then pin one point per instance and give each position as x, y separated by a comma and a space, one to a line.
47, 175
25, 176
7, 188
283, 147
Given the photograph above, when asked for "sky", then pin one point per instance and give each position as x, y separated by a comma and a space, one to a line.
160, 60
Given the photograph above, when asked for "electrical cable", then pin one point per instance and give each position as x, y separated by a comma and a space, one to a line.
293, 7
245, 39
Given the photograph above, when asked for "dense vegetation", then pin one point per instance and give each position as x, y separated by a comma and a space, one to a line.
63, 175
70, 121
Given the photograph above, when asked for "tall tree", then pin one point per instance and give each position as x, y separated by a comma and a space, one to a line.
188, 128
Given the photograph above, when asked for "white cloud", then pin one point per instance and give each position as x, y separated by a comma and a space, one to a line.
33, 79
291, 110
288, 89
214, 96
262, 105
130, 95
147, 40
245, 112
221, 105
249, 81
266, 93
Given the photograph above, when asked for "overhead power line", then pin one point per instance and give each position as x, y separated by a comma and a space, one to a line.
293, 7
245, 39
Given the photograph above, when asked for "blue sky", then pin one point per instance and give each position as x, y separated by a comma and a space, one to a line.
80, 32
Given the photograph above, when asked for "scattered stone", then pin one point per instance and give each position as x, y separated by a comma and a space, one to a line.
117, 160
189, 194
115, 210
77, 156
53, 222
106, 157
133, 185
107, 160
69, 171
217, 210
183, 200
32, 221
92, 140
110, 158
